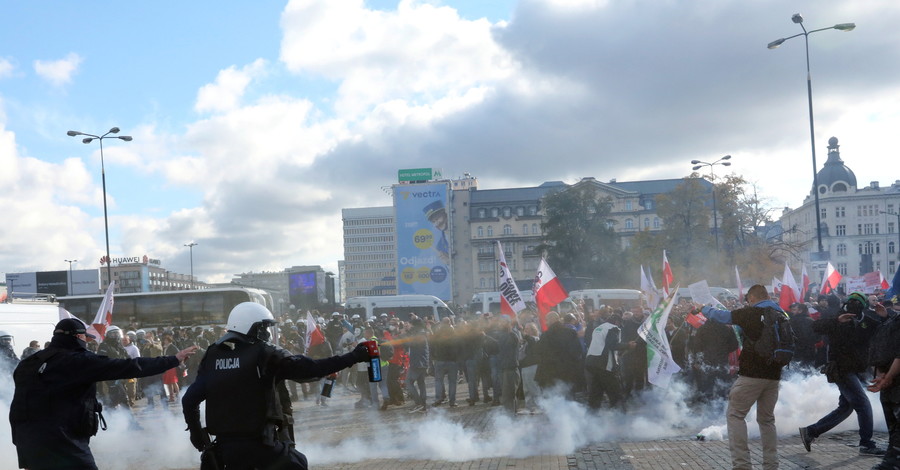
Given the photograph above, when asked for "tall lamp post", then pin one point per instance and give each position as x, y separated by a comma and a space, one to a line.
712, 176
191, 245
88, 139
70, 261
897, 215
798, 19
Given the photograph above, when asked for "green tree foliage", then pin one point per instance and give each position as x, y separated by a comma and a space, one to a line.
578, 237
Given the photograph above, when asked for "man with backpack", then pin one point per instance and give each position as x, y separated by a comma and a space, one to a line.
849, 334
768, 346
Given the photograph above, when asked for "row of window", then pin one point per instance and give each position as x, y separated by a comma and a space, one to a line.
369, 231
507, 212
357, 240
892, 268
375, 221
865, 210
629, 224
534, 229
368, 248
369, 266
867, 248
370, 257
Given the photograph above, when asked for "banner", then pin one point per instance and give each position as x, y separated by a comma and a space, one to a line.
423, 239
511, 301
660, 365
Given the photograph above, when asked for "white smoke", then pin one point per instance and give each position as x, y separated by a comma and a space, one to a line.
561, 428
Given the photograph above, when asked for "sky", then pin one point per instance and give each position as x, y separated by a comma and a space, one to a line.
254, 123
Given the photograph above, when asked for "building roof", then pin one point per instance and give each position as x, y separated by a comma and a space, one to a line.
535, 193
834, 169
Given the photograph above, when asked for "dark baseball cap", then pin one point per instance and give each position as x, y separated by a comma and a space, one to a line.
71, 326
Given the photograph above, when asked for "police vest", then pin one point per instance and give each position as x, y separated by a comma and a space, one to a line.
240, 398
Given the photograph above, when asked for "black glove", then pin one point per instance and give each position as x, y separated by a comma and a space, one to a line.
199, 436
360, 353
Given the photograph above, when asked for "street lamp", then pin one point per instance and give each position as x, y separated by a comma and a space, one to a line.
897, 215
191, 245
798, 19
698, 165
88, 139
70, 261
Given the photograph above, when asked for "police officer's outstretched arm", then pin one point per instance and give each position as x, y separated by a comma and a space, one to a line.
301, 367
103, 368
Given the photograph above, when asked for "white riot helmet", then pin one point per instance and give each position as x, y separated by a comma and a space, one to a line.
6, 339
250, 319
114, 333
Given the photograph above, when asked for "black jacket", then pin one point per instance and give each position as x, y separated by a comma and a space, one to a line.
848, 342
47, 412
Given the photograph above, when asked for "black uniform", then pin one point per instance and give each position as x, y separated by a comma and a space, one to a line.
53, 412
237, 379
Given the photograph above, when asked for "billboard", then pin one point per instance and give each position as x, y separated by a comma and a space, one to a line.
423, 246
303, 290
59, 283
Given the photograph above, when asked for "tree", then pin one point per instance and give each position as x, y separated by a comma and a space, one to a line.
686, 229
579, 239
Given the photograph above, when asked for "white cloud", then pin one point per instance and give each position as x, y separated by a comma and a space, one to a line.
58, 72
228, 89
6, 68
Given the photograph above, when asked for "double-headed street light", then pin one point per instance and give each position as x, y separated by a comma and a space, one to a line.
712, 176
798, 19
191, 245
88, 139
70, 261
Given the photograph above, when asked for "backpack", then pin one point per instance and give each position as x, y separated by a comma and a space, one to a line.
776, 343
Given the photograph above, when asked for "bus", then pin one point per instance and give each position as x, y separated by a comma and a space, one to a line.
168, 308
490, 302
401, 306
594, 298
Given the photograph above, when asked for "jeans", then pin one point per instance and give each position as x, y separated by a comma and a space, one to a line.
471, 371
447, 369
496, 377
531, 387
853, 398
510, 379
415, 384
744, 393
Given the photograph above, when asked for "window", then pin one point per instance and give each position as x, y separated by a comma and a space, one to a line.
507, 229
839, 212
495, 212
482, 213
629, 224
628, 205
507, 212
892, 267
520, 211
656, 222
534, 229
525, 229
482, 283
490, 231
842, 268
480, 231
890, 227
647, 222
840, 230
648, 204
485, 266
841, 249
892, 248
823, 212
532, 210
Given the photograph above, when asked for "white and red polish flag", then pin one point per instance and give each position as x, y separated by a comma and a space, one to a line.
831, 279
804, 283
511, 301
790, 293
548, 291
650, 290
668, 277
740, 285
776, 286
103, 319
314, 336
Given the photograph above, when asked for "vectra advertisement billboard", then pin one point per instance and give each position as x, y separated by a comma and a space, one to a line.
423, 239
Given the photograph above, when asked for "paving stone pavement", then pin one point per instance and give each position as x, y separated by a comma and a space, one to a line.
329, 426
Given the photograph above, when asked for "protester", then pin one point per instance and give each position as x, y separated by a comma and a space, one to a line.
560, 356
54, 411
884, 356
602, 365
528, 366
237, 380
757, 382
849, 334
8, 358
33, 347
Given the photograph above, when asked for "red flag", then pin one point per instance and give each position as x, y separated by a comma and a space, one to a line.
695, 319
668, 277
831, 279
548, 291
884, 284
314, 336
511, 301
103, 319
804, 283
790, 293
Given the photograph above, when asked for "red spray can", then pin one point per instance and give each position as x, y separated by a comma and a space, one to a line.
374, 361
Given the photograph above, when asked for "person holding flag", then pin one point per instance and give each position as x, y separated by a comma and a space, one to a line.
54, 412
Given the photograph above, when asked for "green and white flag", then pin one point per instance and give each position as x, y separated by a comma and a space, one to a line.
660, 366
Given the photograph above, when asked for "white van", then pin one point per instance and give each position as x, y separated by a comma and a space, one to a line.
28, 321
594, 298
684, 293
401, 306
490, 302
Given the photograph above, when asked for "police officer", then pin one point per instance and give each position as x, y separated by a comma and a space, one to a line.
112, 392
8, 357
237, 379
54, 411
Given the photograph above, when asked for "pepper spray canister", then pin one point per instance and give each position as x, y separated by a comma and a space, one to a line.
328, 386
374, 361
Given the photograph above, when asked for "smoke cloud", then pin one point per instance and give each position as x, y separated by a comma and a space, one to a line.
156, 439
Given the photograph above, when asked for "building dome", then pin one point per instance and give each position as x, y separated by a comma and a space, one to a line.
835, 176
